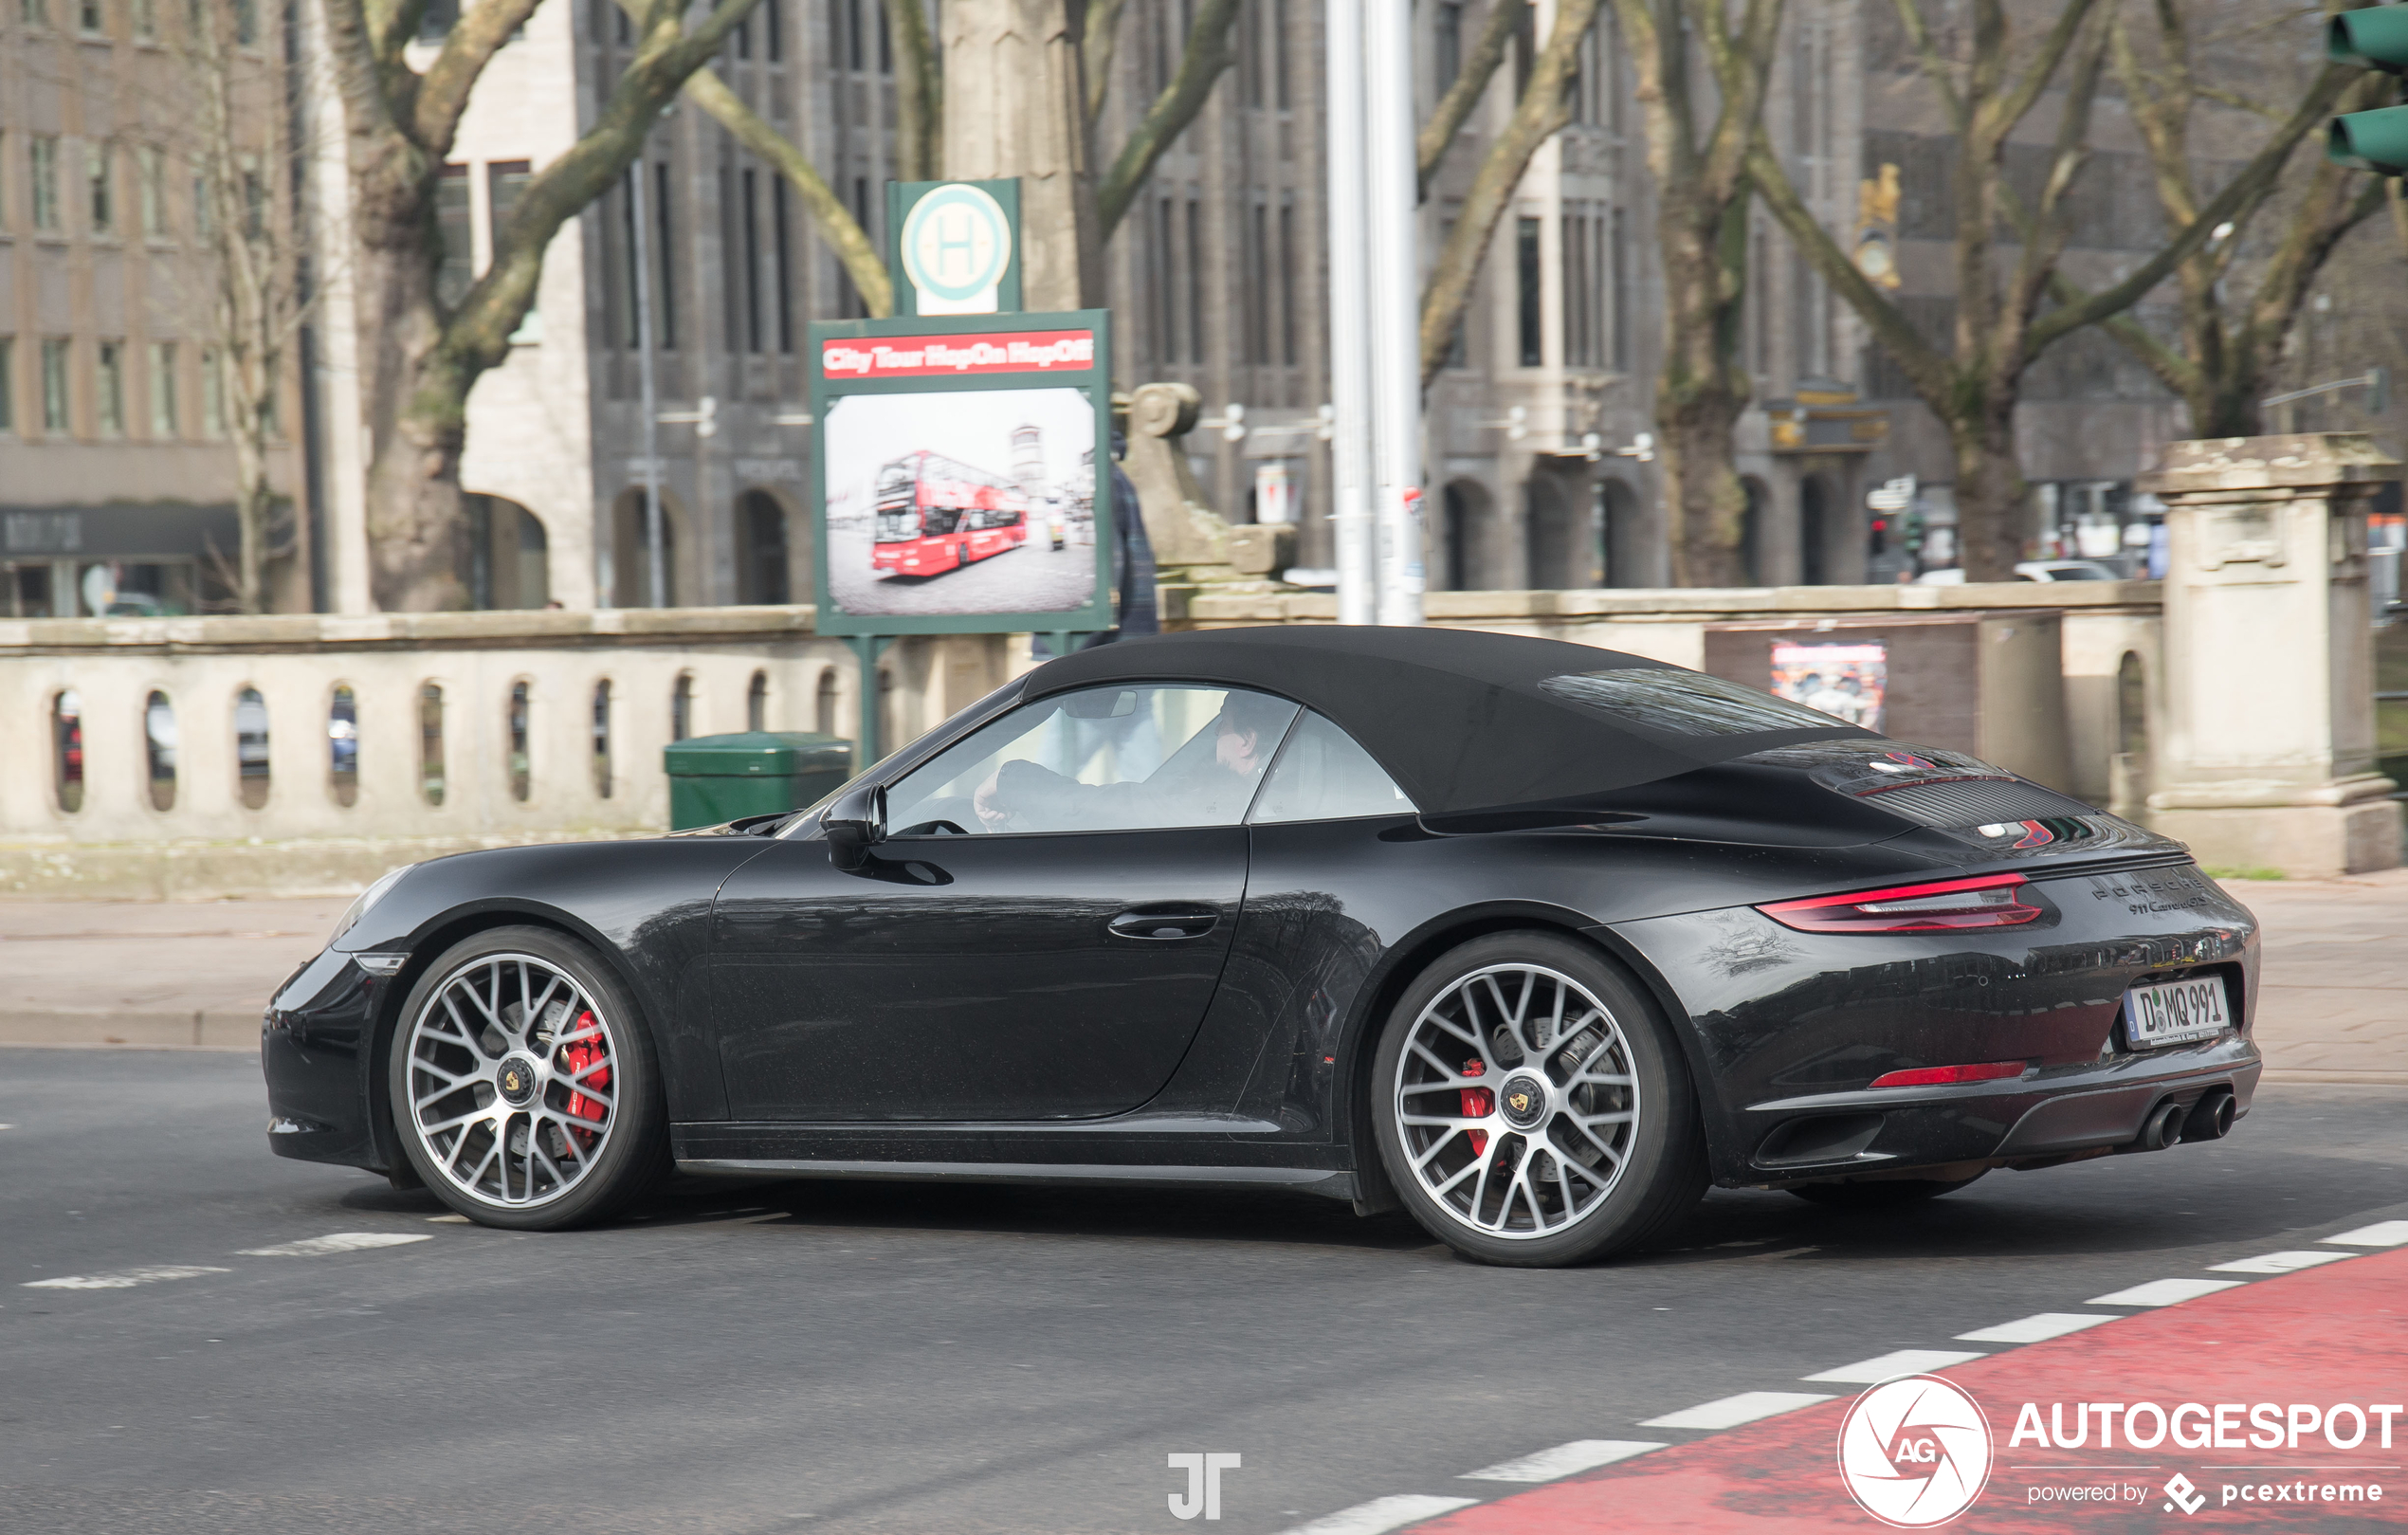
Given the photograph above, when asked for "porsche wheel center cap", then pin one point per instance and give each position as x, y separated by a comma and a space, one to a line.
1522, 1099
516, 1081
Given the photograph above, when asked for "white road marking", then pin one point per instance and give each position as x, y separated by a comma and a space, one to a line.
454, 1220
2035, 1329
313, 1246
2277, 1263
1564, 1459
1905, 1361
1730, 1412
2382, 1234
126, 1278
2163, 1292
1381, 1515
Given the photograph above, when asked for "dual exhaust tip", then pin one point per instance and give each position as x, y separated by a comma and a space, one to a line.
2209, 1119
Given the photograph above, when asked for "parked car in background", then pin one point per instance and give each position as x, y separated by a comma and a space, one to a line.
2032, 569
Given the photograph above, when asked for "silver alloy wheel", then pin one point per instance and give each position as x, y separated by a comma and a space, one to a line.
513, 1080
1516, 1100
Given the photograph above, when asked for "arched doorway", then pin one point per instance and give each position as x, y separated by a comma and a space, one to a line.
1813, 530
630, 552
1625, 541
507, 555
1751, 532
1465, 521
762, 573
1556, 535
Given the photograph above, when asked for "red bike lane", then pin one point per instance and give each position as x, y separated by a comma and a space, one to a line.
2336, 1334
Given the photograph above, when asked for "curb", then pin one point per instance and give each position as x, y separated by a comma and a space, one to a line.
202, 1029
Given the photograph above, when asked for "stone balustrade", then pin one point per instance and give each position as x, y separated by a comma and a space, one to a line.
305, 754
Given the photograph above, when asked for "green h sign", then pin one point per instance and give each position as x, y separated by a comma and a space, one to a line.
953, 248
2374, 38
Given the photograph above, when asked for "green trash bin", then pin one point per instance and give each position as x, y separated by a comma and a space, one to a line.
716, 779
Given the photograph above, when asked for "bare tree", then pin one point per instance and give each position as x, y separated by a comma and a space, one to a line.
232, 132
427, 355
1697, 149
2229, 338
2007, 255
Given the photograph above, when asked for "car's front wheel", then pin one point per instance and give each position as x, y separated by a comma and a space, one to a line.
523, 1087
1532, 1106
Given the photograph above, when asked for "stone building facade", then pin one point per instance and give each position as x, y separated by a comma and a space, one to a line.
117, 483
1216, 279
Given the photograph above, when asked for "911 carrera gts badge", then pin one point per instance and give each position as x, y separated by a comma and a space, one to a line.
516, 1080
1523, 1100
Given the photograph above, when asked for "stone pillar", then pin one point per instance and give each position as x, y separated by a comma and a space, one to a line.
2266, 751
1016, 107
1193, 546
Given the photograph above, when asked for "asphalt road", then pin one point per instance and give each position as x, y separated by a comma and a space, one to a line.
1035, 577
797, 1356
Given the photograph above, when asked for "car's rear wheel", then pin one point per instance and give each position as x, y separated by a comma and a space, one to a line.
523, 1087
1881, 1193
1532, 1106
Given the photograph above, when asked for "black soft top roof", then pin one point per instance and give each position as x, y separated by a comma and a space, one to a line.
1457, 717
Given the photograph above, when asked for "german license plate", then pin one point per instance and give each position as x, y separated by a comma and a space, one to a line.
2174, 1012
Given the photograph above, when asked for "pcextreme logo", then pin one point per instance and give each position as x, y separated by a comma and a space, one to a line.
1914, 1451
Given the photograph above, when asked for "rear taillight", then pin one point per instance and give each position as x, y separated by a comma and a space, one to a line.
1937, 1076
1987, 901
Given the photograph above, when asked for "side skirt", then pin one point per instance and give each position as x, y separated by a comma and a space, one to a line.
1092, 1175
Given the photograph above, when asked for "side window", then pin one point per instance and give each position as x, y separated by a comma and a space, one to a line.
1100, 760
1322, 776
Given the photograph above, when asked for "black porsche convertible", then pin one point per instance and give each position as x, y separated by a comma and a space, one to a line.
1533, 940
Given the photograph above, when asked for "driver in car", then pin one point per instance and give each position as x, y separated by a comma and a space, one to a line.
1021, 796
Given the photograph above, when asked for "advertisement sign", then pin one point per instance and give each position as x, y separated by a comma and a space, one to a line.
962, 482
1272, 495
1846, 681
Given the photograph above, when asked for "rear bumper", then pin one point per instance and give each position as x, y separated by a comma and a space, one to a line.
2053, 1115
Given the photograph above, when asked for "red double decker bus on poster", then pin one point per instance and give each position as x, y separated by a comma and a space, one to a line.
937, 513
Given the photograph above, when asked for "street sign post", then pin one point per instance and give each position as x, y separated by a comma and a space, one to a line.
954, 246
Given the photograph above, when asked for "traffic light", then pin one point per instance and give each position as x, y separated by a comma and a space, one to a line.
2374, 38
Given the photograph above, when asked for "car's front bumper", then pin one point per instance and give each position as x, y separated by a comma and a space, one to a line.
318, 1049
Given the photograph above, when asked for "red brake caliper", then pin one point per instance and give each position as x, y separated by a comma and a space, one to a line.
1478, 1103
581, 1055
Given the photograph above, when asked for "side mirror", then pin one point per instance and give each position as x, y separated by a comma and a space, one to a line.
853, 824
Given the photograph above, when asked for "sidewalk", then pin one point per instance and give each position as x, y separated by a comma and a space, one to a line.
2334, 1005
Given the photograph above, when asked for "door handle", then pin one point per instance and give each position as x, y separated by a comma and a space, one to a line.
1190, 922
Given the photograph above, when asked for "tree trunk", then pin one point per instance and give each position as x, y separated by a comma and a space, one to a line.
1990, 490
1700, 392
1015, 105
417, 417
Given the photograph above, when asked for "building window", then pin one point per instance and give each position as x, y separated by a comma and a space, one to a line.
146, 21
54, 386
163, 390
1166, 316
774, 32
204, 213
452, 227
1619, 261
781, 231
1591, 87
1449, 45
37, 12
247, 20
1258, 284
212, 394
110, 382
1287, 276
95, 176
1279, 54
1528, 294
89, 19
662, 254
151, 169
8, 383
1194, 281
46, 181
254, 200
751, 241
